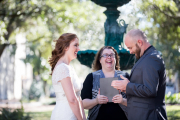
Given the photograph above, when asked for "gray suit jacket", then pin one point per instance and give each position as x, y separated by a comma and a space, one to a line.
146, 89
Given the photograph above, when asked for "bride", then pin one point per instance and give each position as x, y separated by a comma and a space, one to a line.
65, 82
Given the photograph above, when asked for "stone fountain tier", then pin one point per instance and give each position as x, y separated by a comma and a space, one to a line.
109, 3
126, 60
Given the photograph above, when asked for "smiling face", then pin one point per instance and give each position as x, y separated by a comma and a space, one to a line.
73, 49
108, 59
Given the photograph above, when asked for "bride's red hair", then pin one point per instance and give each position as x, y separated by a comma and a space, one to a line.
62, 43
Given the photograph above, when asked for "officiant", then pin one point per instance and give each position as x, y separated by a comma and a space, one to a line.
105, 65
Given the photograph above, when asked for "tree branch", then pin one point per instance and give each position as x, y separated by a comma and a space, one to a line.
174, 17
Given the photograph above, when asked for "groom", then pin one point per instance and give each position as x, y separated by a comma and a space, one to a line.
145, 89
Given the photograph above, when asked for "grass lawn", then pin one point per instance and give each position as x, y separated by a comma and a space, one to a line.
173, 113
40, 115
43, 115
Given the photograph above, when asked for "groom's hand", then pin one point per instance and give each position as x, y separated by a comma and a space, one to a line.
120, 84
101, 99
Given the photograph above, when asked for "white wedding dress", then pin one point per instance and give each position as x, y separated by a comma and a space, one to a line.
62, 110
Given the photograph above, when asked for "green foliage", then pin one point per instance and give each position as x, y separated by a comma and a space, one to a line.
172, 98
14, 13
66, 17
36, 90
17, 114
43, 21
163, 29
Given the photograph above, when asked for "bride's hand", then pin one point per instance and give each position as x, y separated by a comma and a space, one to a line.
101, 99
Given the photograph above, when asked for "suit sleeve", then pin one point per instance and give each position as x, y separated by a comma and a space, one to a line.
150, 75
127, 75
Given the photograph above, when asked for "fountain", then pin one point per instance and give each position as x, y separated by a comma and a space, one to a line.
114, 33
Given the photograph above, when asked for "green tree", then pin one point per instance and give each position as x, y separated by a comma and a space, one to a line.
14, 13
162, 25
43, 21
77, 17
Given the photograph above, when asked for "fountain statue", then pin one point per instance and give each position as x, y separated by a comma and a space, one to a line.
114, 33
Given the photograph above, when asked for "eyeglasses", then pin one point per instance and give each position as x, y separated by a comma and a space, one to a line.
107, 55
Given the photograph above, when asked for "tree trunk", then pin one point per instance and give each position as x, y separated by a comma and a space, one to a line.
2, 48
177, 82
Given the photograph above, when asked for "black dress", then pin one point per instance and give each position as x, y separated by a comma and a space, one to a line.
109, 111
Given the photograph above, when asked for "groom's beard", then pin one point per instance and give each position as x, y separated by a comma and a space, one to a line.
138, 52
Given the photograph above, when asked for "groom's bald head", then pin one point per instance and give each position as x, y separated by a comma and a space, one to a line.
136, 41
136, 34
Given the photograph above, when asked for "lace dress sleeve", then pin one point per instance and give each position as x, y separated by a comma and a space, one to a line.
61, 71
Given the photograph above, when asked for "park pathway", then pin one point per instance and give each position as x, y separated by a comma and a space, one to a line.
28, 107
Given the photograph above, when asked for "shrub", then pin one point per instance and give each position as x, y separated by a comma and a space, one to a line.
172, 98
17, 114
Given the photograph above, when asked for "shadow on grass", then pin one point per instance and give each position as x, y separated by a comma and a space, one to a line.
173, 113
40, 115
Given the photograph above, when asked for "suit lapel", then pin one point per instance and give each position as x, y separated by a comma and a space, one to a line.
149, 51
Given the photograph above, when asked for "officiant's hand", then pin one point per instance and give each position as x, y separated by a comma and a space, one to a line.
117, 99
120, 84
101, 99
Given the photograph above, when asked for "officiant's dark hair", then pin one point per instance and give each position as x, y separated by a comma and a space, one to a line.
61, 44
96, 63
